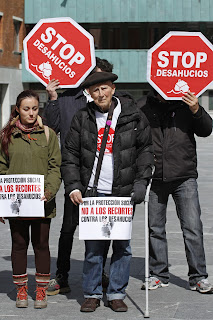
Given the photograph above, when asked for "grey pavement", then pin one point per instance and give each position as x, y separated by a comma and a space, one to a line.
173, 302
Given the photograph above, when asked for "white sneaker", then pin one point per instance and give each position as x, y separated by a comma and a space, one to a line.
203, 286
154, 283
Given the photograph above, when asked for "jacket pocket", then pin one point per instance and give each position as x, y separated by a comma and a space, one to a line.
41, 149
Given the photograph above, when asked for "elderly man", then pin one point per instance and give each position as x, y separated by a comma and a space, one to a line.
125, 171
59, 112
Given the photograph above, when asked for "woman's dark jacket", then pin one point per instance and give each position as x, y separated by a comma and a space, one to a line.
132, 149
173, 128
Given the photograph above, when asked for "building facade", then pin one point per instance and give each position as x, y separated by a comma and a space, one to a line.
12, 33
123, 31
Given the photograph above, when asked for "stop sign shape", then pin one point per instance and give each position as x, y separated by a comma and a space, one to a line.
180, 62
59, 48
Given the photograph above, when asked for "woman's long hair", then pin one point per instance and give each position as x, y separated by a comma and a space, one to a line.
5, 133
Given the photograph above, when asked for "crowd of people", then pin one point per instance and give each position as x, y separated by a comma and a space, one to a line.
149, 133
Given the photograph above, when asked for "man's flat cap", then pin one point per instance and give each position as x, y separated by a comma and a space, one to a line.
98, 77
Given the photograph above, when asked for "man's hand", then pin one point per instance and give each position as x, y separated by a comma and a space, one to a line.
139, 192
192, 101
76, 197
51, 89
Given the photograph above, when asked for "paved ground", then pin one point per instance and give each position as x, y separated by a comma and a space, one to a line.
174, 302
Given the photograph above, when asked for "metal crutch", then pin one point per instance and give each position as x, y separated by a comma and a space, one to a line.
146, 202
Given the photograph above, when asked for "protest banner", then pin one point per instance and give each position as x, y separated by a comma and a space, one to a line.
59, 48
20, 195
105, 218
180, 62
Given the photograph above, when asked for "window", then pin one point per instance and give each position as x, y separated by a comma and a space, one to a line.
208, 31
114, 38
134, 38
17, 25
210, 99
96, 33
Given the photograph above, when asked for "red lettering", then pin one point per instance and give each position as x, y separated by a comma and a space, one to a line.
8, 188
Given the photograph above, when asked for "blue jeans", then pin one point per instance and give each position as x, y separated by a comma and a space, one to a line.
70, 223
119, 268
185, 196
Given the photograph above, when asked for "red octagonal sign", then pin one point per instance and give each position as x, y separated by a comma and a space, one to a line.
180, 62
59, 48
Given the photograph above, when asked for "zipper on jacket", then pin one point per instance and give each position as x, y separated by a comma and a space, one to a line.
173, 118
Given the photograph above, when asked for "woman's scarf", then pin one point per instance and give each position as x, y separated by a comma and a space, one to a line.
25, 128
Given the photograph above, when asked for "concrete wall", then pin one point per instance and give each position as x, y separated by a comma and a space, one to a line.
10, 79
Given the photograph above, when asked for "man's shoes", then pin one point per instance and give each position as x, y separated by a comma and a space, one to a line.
154, 283
58, 285
118, 305
105, 280
202, 286
90, 305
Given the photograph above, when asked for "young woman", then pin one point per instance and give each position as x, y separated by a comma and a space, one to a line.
29, 147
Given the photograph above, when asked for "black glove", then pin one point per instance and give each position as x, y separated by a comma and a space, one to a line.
139, 192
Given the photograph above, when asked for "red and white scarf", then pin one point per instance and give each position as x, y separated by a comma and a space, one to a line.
26, 128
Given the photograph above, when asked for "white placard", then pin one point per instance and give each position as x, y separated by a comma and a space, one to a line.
105, 218
20, 195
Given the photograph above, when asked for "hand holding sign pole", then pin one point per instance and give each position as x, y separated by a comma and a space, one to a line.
180, 62
59, 48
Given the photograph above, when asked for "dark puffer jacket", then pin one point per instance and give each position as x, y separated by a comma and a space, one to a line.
132, 149
58, 113
173, 129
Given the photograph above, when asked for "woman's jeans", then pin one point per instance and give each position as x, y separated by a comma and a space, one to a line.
119, 268
185, 196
